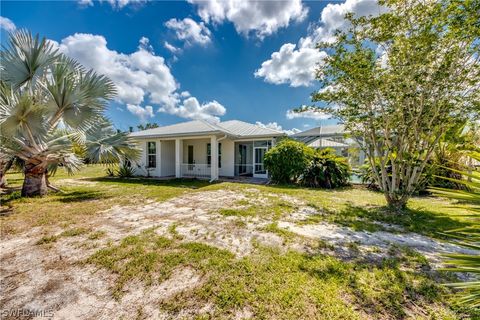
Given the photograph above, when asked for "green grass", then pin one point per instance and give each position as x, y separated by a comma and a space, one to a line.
275, 285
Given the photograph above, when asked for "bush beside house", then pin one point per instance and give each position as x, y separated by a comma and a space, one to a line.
292, 162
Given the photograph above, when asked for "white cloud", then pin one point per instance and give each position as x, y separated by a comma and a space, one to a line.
137, 76
276, 126
144, 43
308, 113
332, 17
190, 108
7, 24
142, 113
261, 17
296, 67
117, 4
171, 47
85, 3
296, 64
189, 31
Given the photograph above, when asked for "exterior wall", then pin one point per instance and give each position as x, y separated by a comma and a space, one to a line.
228, 158
167, 159
140, 166
199, 150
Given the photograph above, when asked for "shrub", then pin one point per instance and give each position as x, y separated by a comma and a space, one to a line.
125, 171
288, 160
327, 170
110, 172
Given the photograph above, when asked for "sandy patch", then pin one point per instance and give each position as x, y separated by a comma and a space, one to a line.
340, 236
194, 218
75, 182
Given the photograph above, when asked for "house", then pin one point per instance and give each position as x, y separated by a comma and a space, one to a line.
332, 136
203, 149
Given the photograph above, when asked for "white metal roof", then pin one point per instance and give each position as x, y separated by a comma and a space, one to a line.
325, 143
244, 129
338, 129
234, 128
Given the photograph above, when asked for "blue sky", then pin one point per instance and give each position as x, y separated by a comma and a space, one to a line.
212, 68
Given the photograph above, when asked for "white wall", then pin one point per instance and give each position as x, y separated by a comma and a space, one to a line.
167, 159
228, 158
140, 165
199, 150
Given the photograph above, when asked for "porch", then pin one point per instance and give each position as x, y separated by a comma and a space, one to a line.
213, 157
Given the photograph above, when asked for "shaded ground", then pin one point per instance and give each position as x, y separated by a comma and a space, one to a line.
228, 251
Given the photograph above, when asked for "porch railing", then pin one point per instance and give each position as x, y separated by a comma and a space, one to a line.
243, 169
195, 170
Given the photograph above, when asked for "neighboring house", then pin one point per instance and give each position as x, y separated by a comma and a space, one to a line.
332, 136
203, 149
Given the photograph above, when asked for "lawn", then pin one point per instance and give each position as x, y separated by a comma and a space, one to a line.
142, 248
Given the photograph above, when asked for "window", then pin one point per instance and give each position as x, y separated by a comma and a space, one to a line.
191, 161
262, 144
151, 154
219, 155
209, 155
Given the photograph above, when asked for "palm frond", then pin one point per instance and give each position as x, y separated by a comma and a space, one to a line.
104, 145
78, 97
466, 237
25, 58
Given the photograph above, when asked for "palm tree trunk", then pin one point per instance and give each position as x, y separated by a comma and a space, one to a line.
35, 182
3, 179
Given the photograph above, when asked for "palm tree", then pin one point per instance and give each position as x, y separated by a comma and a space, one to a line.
51, 107
467, 237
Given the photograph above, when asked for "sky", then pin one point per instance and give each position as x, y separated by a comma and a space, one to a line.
174, 61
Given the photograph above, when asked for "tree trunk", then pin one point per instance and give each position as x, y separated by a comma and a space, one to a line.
35, 183
396, 204
3, 179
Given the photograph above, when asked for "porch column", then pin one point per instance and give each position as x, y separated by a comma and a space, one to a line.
214, 158
178, 157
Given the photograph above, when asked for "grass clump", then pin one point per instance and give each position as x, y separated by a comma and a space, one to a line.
287, 236
47, 239
74, 232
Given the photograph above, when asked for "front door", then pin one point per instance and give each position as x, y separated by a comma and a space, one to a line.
191, 162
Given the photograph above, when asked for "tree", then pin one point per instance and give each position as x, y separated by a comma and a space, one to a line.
51, 106
147, 126
399, 81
